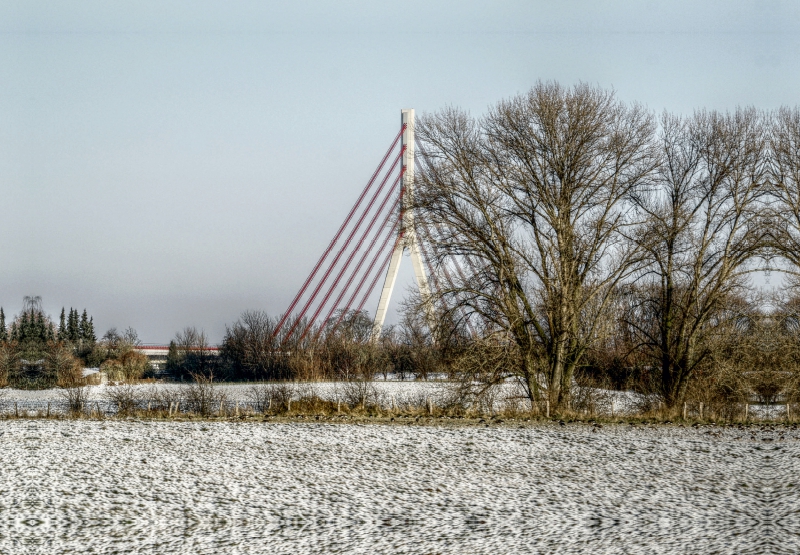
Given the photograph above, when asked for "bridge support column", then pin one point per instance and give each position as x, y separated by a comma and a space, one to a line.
407, 236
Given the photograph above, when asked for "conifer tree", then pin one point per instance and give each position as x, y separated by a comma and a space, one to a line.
73, 333
62, 326
24, 329
90, 336
3, 331
40, 328
83, 328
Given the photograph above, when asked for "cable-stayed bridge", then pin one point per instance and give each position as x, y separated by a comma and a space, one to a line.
366, 251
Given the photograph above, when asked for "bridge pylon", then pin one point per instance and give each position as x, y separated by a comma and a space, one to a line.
407, 237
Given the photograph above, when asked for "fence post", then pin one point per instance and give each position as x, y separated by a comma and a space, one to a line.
788, 414
547, 408
746, 410
701, 411
288, 405
684, 410
430, 406
48, 409
613, 402
237, 408
338, 406
16, 410
394, 405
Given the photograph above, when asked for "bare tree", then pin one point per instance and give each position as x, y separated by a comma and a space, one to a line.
9, 361
532, 199
783, 342
347, 351
785, 217
189, 355
701, 235
251, 350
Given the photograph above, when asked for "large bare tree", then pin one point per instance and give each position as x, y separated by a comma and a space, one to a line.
532, 200
703, 229
785, 215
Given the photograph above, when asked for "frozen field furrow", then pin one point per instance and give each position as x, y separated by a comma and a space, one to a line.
221, 487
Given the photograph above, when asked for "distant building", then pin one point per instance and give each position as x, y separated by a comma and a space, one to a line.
157, 355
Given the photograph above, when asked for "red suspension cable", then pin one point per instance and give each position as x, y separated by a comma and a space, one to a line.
346, 244
338, 234
370, 268
356, 249
361, 261
378, 275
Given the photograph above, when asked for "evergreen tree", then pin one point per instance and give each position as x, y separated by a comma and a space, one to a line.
84, 330
90, 336
73, 333
24, 330
62, 326
40, 328
3, 331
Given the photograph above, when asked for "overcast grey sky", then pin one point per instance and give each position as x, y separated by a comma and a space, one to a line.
166, 164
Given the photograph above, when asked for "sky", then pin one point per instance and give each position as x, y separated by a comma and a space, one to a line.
166, 164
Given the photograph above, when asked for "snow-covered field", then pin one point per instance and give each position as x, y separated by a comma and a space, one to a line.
401, 394
115, 486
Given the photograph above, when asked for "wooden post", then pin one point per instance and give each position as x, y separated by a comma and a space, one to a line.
613, 402
430, 406
547, 408
48, 409
16, 410
148, 407
288, 405
746, 410
219, 412
701, 411
269, 406
788, 414
684, 411
394, 405
237, 408
338, 406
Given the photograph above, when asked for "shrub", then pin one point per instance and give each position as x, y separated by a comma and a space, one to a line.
202, 396
125, 398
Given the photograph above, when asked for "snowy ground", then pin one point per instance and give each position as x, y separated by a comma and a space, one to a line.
252, 487
385, 393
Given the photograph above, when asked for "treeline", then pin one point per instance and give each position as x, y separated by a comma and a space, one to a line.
574, 242
252, 350
37, 354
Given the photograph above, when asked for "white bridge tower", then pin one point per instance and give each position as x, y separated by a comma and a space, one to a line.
407, 236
